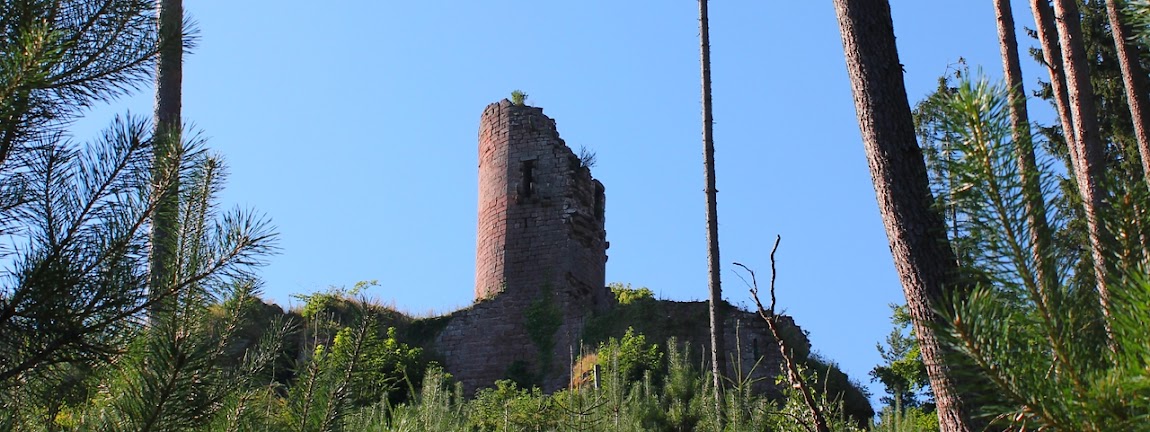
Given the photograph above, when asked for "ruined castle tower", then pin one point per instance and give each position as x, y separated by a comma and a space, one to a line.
540, 256
539, 270
540, 211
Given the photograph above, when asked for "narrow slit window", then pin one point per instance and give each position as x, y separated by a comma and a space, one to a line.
527, 187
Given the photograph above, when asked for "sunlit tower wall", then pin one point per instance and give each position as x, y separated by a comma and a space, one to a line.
541, 213
539, 271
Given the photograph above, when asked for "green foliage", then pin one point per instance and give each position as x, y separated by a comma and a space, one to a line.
518, 97
965, 131
337, 378
902, 374
658, 320
1059, 378
439, 406
682, 401
906, 420
1122, 178
510, 408
365, 365
1138, 14
58, 58
74, 352
175, 376
794, 415
85, 248
850, 399
1036, 346
324, 396
386, 367
744, 410
335, 299
542, 319
631, 356
626, 295
520, 373
315, 402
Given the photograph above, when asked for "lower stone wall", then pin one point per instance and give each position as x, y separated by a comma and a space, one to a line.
508, 336
479, 344
754, 352
491, 340
750, 348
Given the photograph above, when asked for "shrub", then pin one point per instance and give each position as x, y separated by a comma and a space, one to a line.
518, 97
630, 356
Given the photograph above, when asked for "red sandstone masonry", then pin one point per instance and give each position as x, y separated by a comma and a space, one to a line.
540, 231
540, 211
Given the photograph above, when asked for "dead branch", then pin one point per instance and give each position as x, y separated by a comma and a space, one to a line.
794, 376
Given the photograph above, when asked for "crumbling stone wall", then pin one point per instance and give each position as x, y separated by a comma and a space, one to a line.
749, 346
539, 272
540, 254
752, 351
541, 213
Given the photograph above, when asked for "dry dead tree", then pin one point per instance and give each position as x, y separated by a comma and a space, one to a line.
794, 376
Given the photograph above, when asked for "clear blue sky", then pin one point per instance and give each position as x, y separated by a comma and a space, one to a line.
353, 126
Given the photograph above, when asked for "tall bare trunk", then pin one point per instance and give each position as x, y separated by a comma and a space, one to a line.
169, 82
718, 359
916, 233
1087, 142
1048, 39
1024, 149
1134, 81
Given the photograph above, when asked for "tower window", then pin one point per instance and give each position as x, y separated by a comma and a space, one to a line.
527, 187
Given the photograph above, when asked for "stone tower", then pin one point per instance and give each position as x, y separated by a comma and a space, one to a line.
541, 252
539, 261
540, 212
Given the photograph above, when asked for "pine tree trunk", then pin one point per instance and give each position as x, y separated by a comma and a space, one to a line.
1024, 150
1087, 142
169, 79
1134, 81
916, 233
1048, 39
718, 359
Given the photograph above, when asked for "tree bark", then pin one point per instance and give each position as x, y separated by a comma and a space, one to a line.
1134, 82
916, 233
169, 83
1039, 229
1048, 39
1087, 143
718, 359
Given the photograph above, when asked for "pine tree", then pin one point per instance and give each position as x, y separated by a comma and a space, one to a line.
917, 235
1133, 80
166, 153
72, 212
1086, 148
1042, 349
1020, 133
75, 217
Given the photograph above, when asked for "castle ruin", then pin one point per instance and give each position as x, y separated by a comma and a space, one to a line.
540, 260
540, 295
541, 214
540, 255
